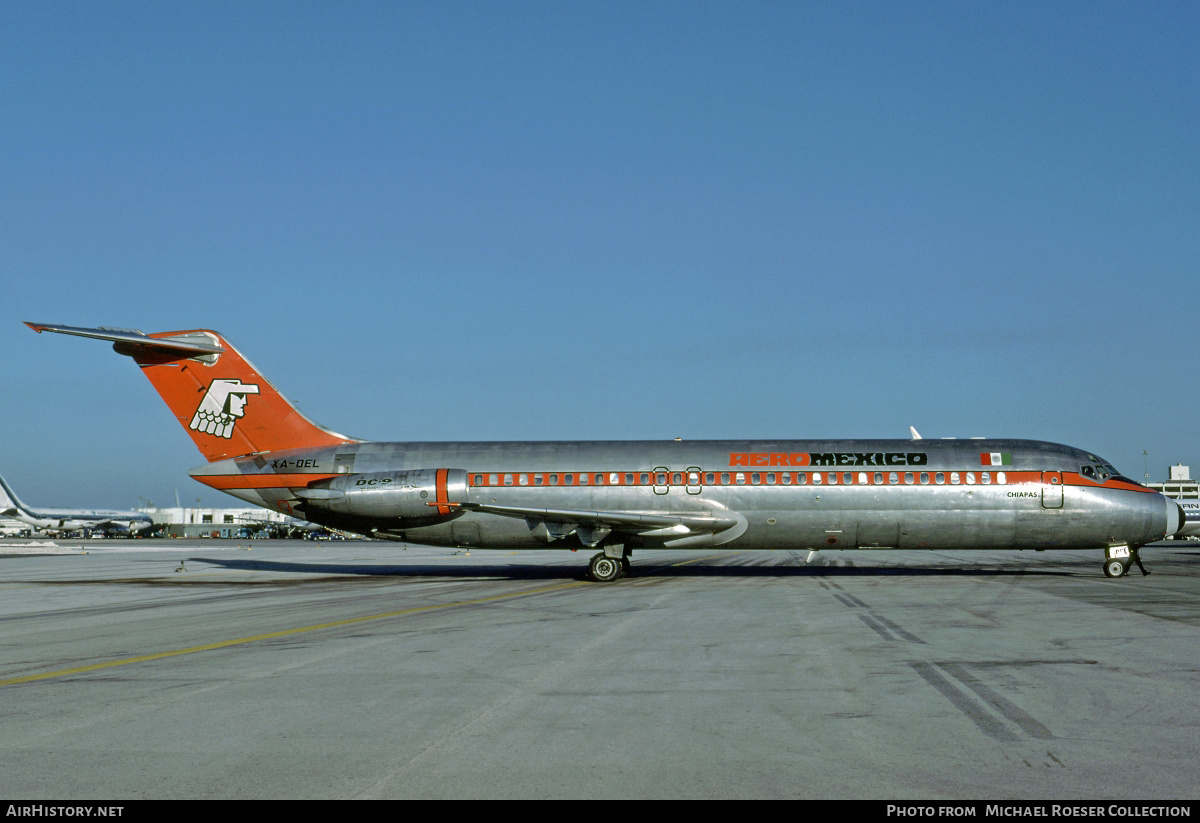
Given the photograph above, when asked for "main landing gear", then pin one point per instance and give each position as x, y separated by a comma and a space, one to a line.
609, 565
1117, 560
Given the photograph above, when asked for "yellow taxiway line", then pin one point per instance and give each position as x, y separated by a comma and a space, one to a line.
698, 559
126, 661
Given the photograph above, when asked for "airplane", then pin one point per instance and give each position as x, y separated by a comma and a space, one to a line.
1191, 514
618, 496
59, 521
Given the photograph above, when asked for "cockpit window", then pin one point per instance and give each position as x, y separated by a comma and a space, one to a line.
1103, 472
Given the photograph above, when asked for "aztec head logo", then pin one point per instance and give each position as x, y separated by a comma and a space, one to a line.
223, 403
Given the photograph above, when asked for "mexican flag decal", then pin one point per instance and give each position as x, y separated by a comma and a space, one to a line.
995, 459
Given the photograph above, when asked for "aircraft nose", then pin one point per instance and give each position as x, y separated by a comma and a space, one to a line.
1175, 517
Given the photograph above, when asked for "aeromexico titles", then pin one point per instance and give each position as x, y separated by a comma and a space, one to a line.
618, 496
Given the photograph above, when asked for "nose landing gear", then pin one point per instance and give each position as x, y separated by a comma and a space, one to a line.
1117, 560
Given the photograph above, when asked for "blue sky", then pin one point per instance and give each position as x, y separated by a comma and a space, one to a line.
549, 220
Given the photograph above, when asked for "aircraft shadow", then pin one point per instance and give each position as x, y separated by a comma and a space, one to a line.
643, 570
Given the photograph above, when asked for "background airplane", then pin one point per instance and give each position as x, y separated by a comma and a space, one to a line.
63, 521
616, 496
1191, 513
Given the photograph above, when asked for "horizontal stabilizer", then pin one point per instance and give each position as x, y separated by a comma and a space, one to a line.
132, 341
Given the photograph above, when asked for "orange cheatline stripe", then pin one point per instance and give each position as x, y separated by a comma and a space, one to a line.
227, 482
222, 644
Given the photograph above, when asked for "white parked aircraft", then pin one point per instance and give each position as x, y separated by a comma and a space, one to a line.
59, 521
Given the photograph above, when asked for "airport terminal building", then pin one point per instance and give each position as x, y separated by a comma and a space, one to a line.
1179, 484
211, 522
179, 521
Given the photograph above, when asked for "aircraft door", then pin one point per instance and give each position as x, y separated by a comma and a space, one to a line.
1052, 490
693, 480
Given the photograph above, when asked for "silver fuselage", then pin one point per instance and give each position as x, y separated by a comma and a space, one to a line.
801, 494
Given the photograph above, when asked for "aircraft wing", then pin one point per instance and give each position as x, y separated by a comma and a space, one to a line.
593, 526
113, 523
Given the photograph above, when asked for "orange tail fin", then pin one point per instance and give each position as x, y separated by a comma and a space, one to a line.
227, 407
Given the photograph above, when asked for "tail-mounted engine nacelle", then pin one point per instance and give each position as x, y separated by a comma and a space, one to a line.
414, 497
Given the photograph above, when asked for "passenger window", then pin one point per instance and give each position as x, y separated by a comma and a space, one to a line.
970, 478
985, 478
629, 479
693, 478
537, 480
755, 478
614, 479
862, 478
724, 478
908, 478
660, 478
1001, 478
479, 480
954, 479
493, 480
645, 478
940, 478
878, 478
786, 478
568, 479
848, 478
770, 478
924, 478
523, 479
832, 477
583, 479
801, 478
893, 478
817, 478
554, 480
740, 479
709, 478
